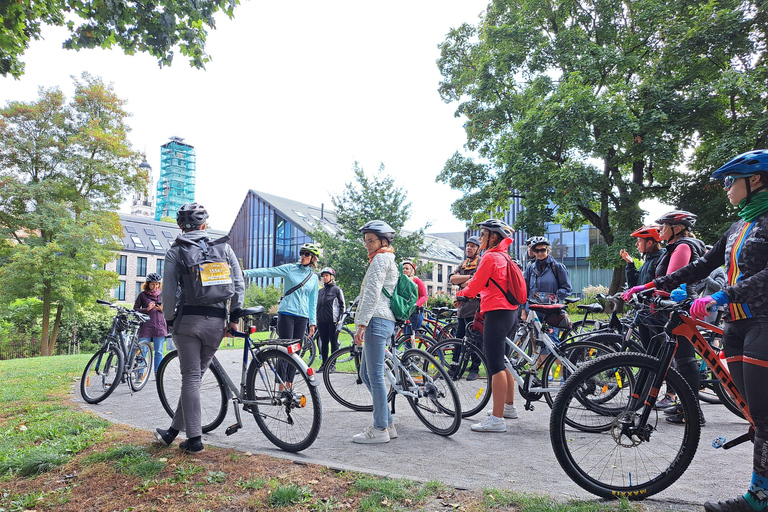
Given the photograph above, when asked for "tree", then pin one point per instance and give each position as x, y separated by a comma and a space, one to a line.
64, 169
366, 198
151, 27
586, 108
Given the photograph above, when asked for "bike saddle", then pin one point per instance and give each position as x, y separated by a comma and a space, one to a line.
592, 308
546, 308
248, 312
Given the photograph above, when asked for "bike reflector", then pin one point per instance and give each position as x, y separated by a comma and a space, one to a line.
310, 371
253, 329
292, 349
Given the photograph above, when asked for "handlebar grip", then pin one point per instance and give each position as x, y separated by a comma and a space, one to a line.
236, 334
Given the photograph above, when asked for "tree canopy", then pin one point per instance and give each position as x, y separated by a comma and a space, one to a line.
587, 108
156, 27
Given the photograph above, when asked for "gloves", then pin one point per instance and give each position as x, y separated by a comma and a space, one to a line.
700, 307
679, 294
627, 295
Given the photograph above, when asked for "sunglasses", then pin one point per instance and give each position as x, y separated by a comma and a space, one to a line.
305, 253
539, 251
728, 181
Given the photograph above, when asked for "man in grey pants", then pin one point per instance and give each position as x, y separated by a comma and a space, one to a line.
197, 330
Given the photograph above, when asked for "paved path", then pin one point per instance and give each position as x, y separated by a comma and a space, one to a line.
520, 459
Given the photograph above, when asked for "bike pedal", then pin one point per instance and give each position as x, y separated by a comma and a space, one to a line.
231, 430
718, 442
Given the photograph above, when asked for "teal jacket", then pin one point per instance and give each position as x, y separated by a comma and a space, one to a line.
302, 302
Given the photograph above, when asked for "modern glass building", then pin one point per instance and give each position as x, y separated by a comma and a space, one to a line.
176, 185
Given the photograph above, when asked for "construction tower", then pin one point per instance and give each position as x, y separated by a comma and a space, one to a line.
176, 185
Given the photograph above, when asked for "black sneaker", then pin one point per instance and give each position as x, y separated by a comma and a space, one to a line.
737, 505
164, 437
675, 409
679, 419
191, 447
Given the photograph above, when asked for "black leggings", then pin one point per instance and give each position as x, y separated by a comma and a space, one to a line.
499, 324
291, 328
326, 332
746, 350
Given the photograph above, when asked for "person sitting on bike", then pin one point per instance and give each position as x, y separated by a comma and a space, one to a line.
150, 302
466, 309
682, 248
548, 282
417, 318
330, 307
710, 285
743, 249
375, 324
648, 243
500, 320
197, 330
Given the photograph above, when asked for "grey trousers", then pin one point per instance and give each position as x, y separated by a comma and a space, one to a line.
197, 338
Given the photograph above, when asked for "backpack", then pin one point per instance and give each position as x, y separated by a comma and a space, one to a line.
403, 298
206, 277
517, 291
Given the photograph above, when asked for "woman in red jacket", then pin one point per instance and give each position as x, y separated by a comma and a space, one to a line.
500, 320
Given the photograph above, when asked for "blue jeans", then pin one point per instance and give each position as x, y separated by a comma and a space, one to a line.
158, 342
377, 334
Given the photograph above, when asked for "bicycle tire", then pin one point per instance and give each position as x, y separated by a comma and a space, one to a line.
579, 353
726, 399
342, 379
436, 402
141, 366
615, 341
213, 395
102, 374
447, 332
351, 335
473, 395
289, 417
309, 349
420, 341
601, 463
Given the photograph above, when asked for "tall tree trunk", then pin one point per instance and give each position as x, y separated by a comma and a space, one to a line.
617, 281
46, 318
56, 326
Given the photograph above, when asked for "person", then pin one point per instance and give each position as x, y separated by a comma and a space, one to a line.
330, 307
417, 318
710, 285
500, 320
197, 330
374, 326
682, 248
466, 309
150, 302
531, 255
548, 281
648, 243
743, 249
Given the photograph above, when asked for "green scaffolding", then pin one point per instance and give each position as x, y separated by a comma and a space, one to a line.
176, 185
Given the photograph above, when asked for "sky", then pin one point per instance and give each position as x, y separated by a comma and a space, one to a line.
297, 92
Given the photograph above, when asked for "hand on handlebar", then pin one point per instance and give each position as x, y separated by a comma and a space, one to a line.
629, 293
700, 307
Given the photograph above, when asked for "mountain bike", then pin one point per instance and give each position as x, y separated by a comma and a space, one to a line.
122, 357
288, 412
412, 373
621, 448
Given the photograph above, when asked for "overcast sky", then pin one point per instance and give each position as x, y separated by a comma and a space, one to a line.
296, 93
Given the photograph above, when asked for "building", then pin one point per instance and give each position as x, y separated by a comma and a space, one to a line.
445, 256
143, 204
176, 185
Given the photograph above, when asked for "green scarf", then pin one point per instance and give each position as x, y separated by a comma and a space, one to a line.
756, 207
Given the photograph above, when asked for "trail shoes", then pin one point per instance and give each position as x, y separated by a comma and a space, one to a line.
192, 447
372, 435
490, 424
510, 412
164, 437
667, 401
737, 505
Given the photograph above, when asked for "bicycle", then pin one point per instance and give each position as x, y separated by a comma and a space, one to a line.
288, 412
437, 329
623, 449
308, 347
121, 357
412, 373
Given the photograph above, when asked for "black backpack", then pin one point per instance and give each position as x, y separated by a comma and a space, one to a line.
205, 276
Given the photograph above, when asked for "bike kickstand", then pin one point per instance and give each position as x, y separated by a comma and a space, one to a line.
237, 426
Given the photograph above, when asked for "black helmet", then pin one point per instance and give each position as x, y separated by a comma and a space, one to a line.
473, 240
497, 226
682, 217
191, 215
154, 278
538, 240
379, 228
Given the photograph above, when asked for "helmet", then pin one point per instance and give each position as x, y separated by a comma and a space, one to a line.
473, 240
687, 219
497, 226
408, 262
309, 247
154, 278
747, 163
648, 232
378, 228
538, 240
327, 270
191, 215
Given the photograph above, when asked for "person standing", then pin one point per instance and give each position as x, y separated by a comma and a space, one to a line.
197, 329
466, 309
150, 302
648, 244
375, 324
330, 307
548, 282
417, 318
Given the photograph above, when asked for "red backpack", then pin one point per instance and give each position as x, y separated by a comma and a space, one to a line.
517, 291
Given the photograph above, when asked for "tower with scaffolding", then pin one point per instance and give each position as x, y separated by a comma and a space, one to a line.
176, 185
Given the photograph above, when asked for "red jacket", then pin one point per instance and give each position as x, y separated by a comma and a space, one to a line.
492, 264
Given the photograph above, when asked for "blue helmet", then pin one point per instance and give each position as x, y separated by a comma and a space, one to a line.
747, 163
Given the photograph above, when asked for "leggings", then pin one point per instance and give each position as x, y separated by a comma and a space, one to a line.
292, 328
499, 324
327, 334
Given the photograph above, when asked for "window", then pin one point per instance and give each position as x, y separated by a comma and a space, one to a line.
138, 287
439, 272
450, 270
137, 241
429, 291
120, 290
160, 266
149, 231
168, 234
130, 229
141, 266
122, 265
157, 244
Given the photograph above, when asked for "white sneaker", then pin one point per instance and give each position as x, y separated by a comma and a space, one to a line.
371, 436
392, 431
510, 412
490, 424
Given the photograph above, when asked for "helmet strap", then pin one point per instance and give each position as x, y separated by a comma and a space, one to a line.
751, 192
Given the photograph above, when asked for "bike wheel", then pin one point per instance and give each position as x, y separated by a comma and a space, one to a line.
447, 332
578, 353
102, 374
629, 460
458, 359
420, 340
288, 413
341, 376
430, 392
213, 395
725, 398
141, 366
309, 349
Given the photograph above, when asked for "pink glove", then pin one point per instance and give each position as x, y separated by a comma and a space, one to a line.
700, 307
629, 293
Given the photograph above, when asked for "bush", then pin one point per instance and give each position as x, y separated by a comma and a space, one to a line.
20, 328
440, 300
267, 297
86, 326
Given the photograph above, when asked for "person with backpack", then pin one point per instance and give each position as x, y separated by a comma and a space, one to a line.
330, 307
201, 276
375, 323
465, 310
492, 281
417, 318
150, 302
548, 282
